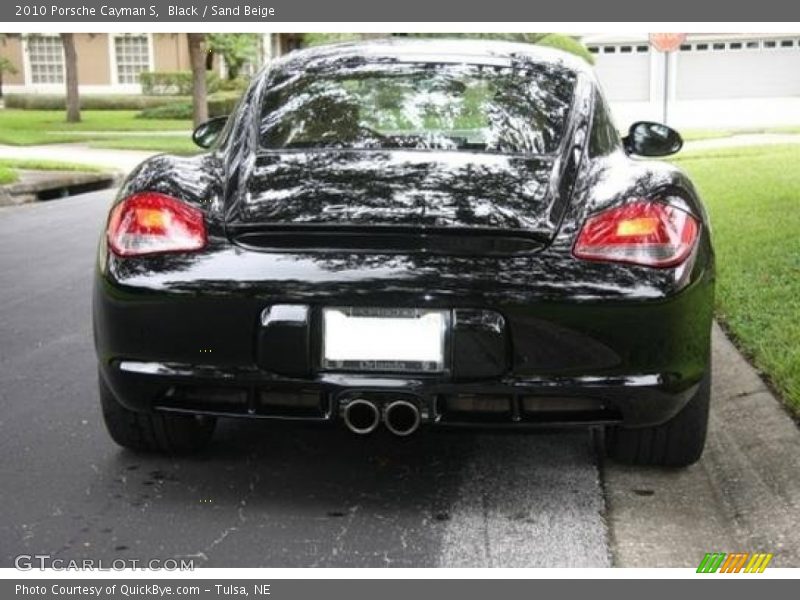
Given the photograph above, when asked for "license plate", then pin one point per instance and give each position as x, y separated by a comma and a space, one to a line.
381, 339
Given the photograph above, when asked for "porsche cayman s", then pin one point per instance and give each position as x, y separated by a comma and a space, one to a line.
411, 234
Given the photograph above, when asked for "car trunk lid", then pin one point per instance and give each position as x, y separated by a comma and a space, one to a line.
404, 200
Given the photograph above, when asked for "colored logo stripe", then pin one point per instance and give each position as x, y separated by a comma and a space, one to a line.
734, 562
714, 562
711, 562
758, 563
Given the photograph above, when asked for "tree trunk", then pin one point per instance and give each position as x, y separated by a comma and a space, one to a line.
71, 77
197, 57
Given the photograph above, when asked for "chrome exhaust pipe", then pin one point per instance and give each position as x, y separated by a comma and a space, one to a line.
361, 416
402, 418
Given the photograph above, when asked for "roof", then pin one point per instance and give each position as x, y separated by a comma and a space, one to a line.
469, 51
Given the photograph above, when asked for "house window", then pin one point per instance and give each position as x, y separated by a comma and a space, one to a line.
735, 45
753, 45
46, 58
787, 43
642, 48
132, 56
609, 49
594, 49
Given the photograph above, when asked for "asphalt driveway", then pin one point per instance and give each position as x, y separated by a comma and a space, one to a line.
268, 496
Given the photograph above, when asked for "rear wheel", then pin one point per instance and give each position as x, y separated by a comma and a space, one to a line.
167, 433
677, 443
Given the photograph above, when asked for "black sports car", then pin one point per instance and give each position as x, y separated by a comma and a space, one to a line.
409, 234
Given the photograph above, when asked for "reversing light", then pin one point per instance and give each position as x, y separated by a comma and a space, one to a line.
152, 223
645, 233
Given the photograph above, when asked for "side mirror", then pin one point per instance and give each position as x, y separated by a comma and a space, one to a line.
206, 133
652, 139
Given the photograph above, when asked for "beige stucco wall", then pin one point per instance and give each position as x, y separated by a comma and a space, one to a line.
94, 62
94, 65
170, 52
11, 48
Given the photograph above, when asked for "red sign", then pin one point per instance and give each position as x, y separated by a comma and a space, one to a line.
667, 42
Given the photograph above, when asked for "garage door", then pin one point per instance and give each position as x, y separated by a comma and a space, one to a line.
623, 71
739, 69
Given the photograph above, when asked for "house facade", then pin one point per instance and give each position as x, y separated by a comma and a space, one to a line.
108, 63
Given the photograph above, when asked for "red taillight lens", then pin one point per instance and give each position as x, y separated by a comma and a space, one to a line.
643, 233
149, 223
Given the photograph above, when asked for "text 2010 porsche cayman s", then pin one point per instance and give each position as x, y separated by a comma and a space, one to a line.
411, 234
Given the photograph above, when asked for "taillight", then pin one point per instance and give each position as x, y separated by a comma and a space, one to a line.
150, 222
643, 233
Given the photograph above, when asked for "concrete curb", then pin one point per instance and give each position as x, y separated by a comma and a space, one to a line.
34, 184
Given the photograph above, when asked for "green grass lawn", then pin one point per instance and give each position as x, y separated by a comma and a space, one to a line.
27, 127
753, 197
8, 168
7, 175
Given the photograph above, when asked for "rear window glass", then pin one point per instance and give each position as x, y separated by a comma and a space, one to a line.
426, 106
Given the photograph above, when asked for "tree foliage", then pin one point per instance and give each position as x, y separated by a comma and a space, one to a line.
318, 39
6, 67
236, 48
553, 40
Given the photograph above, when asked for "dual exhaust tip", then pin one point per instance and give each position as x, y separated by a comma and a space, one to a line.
401, 417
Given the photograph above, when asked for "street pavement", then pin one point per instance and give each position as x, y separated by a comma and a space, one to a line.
267, 495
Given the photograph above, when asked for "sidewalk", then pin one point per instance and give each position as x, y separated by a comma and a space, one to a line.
118, 160
744, 139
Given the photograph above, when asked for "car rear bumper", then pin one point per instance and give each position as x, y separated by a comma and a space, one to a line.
505, 402
540, 340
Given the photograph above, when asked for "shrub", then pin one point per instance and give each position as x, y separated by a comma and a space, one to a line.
219, 104
173, 110
567, 44
234, 85
166, 83
88, 102
222, 104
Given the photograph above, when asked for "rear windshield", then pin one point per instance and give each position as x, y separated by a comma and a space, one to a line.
480, 108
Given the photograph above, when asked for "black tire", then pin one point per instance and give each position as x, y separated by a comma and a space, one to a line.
144, 432
677, 443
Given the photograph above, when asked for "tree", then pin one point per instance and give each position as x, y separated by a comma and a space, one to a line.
6, 66
197, 58
236, 48
554, 40
71, 78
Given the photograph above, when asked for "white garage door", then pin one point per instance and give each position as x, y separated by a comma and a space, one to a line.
623, 71
739, 69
